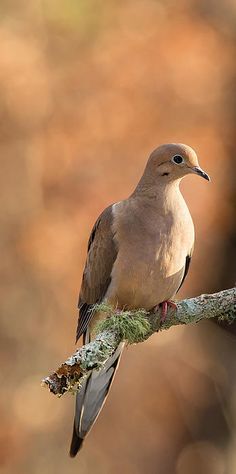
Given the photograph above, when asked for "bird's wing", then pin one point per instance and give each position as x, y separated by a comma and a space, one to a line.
102, 253
186, 269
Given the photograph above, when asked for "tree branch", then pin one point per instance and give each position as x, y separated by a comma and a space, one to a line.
132, 327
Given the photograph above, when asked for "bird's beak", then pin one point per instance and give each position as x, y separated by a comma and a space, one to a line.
200, 172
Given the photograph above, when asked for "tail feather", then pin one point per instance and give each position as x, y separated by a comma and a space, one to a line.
76, 443
91, 398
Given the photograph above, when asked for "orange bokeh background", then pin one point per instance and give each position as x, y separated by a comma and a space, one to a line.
88, 89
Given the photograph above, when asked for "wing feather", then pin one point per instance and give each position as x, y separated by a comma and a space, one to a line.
187, 265
102, 253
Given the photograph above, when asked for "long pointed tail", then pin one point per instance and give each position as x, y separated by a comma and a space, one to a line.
91, 398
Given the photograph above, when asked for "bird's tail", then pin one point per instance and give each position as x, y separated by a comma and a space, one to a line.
91, 398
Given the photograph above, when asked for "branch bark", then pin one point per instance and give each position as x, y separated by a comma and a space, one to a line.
133, 327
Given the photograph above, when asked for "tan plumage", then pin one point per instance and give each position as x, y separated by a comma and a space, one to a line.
138, 255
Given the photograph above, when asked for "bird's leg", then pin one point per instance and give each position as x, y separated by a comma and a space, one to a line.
164, 308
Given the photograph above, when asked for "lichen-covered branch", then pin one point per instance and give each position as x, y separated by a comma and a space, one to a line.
132, 327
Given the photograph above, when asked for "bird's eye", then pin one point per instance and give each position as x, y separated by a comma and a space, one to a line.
177, 159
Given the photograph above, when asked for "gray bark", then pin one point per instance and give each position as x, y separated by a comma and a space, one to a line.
141, 325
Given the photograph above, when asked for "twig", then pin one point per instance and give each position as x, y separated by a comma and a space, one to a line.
133, 327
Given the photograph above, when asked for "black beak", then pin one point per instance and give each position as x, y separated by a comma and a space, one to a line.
201, 173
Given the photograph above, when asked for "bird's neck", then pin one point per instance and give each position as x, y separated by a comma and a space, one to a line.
150, 189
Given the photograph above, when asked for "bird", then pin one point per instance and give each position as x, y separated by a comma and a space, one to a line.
138, 256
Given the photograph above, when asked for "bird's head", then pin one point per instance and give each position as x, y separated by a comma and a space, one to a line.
173, 161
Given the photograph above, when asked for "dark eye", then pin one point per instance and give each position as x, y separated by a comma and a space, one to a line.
178, 159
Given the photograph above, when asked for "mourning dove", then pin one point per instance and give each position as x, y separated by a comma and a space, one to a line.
139, 253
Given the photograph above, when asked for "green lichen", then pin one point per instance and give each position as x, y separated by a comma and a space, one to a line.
130, 326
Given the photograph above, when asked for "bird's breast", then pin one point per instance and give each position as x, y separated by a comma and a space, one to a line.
151, 260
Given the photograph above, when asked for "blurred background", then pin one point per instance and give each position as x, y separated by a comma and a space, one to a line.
88, 88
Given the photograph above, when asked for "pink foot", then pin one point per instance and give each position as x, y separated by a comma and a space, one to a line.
164, 308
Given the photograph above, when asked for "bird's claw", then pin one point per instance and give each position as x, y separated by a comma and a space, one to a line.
164, 309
